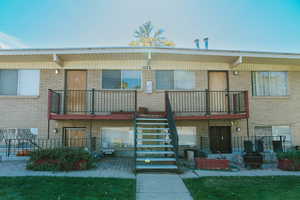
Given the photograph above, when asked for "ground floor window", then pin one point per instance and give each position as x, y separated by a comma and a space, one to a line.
187, 136
275, 131
114, 137
18, 133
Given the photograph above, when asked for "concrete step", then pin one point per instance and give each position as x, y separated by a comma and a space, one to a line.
152, 124
153, 140
153, 129
154, 146
156, 167
156, 159
153, 134
155, 152
151, 119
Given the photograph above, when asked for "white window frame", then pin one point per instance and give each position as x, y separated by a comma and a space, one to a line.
37, 89
130, 135
254, 93
13, 133
288, 143
194, 130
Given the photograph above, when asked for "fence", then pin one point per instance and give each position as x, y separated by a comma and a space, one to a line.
245, 144
21, 147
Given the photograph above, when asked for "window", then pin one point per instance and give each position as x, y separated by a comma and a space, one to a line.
187, 136
170, 79
275, 131
18, 133
121, 79
19, 82
270, 83
117, 137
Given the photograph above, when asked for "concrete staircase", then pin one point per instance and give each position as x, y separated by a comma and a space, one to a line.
154, 147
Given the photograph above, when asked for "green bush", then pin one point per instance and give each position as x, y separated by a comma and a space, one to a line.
290, 155
60, 159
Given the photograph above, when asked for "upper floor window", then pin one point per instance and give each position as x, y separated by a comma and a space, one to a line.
170, 79
270, 83
19, 82
121, 79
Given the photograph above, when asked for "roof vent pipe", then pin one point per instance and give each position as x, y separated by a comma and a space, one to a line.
205, 40
197, 43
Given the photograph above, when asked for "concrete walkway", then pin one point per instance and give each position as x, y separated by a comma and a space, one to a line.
161, 186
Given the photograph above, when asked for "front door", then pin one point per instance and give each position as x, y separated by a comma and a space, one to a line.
220, 139
218, 85
74, 137
76, 91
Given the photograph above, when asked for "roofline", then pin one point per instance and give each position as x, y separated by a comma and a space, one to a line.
162, 50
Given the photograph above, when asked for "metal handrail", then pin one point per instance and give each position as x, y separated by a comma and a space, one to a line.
172, 125
208, 101
135, 138
92, 101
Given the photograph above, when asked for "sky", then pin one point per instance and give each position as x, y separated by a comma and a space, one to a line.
256, 25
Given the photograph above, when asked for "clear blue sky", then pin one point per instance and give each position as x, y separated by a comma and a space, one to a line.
264, 25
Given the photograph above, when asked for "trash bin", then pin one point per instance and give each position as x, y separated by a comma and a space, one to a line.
190, 154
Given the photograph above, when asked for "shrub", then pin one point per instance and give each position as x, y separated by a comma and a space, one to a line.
289, 160
60, 159
290, 155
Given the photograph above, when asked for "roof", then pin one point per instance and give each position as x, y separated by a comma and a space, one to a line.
232, 57
168, 50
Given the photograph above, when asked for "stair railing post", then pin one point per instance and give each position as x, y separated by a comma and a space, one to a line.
135, 101
135, 140
207, 99
228, 100
93, 102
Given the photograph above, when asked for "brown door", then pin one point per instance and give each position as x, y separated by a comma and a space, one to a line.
220, 139
75, 137
76, 91
218, 85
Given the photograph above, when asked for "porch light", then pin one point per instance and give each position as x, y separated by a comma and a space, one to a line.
56, 71
235, 73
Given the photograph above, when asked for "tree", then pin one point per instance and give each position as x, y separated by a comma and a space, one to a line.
145, 35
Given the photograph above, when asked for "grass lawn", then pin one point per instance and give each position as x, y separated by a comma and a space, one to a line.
63, 188
245, 188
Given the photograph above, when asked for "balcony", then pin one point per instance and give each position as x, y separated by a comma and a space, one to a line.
209, 104
91, 104
122, 104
